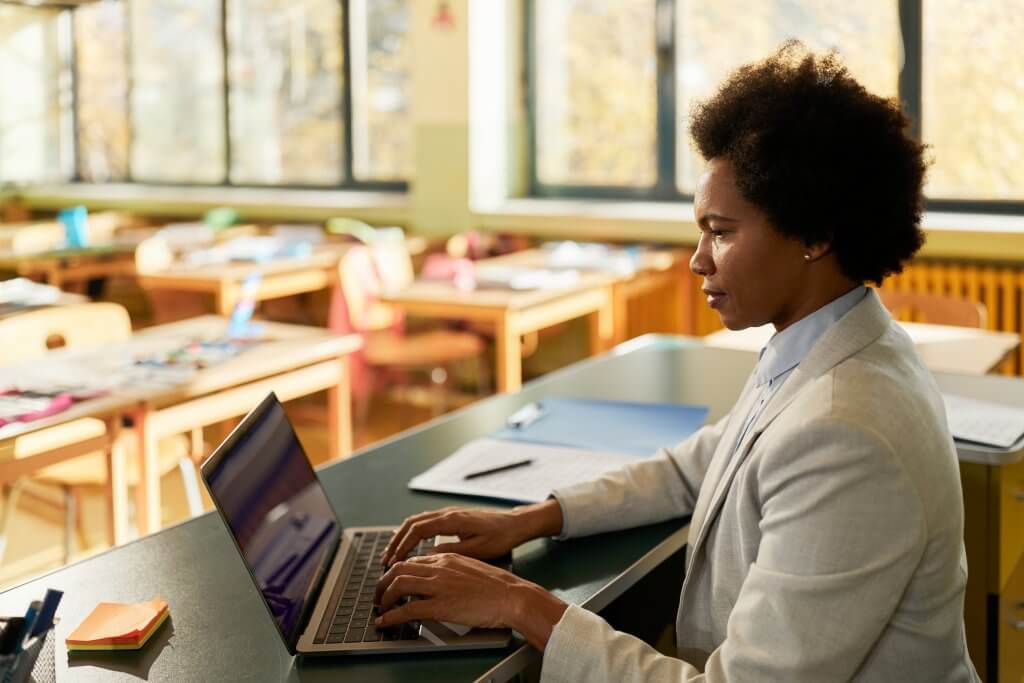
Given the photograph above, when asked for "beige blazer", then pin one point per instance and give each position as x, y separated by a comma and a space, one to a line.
827, 546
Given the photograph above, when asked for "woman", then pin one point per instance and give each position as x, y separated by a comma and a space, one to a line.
826, 538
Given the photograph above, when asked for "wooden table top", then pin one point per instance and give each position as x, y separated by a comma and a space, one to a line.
286, 347
323, 256
436, 291
647, 259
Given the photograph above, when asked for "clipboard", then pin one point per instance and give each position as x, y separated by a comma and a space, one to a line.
592, 424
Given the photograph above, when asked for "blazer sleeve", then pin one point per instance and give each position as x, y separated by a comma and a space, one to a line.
842, 531
661, 487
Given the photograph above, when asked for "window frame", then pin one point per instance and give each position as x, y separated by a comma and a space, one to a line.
666, 189
349, 181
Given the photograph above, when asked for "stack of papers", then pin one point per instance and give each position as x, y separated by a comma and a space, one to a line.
983, 422
119, 626
592, 256
558, 442
25, 292
521, 278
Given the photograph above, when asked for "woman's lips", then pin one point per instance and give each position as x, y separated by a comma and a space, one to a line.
715, 297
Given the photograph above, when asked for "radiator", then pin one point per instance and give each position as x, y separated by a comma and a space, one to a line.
998, 288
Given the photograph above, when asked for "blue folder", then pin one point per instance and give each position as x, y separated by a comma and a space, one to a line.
616, 426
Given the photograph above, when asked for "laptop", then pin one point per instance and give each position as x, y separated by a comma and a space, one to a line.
317, 578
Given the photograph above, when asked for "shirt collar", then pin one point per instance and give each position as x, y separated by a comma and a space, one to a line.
786, 349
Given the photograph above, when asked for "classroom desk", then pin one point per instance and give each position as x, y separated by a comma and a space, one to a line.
8, 309
944, 348
514, 313
280, 277
666, 269
73, 264
219, 630
297, 360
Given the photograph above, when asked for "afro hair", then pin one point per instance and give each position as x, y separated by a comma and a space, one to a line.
826, 160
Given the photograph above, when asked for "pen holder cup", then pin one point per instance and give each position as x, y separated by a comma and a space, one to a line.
17, 668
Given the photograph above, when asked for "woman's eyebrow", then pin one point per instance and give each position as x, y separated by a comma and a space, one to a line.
715, 217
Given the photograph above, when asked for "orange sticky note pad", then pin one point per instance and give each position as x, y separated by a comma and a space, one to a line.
119, 626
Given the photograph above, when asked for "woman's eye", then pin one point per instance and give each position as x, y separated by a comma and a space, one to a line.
717, 234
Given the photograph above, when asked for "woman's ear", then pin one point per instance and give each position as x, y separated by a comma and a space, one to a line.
813, 252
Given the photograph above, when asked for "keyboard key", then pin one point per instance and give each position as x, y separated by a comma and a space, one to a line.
371, 634
335, 637
354, 636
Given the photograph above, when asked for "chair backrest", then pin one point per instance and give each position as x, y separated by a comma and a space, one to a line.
32, 334
933, 308
153, 254
394, 265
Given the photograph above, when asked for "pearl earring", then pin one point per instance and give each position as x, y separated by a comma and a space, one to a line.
807, 257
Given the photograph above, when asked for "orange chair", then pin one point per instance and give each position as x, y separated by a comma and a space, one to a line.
364, 273
936, 309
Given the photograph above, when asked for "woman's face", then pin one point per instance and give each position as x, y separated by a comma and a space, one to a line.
753, 274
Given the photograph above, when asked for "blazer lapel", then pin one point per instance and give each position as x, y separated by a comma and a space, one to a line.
720, 459
861, 326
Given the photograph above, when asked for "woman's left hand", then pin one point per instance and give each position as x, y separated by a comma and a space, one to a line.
467, 591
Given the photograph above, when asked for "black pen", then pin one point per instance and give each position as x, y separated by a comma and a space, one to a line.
501, 468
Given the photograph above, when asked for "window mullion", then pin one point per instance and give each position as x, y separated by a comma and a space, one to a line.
911, 73
666, 93
347, 176
226, 90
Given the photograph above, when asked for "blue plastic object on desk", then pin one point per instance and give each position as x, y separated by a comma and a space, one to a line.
616, 426
76, 226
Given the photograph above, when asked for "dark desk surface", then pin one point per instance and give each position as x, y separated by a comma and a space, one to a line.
218, 629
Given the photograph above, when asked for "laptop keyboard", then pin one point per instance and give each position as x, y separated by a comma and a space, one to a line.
350, 612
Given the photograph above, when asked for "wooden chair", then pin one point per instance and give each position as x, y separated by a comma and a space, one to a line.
364, 273
30, 336
936, 309
153, 255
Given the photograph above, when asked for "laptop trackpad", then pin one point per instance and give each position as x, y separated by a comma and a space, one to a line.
442, 632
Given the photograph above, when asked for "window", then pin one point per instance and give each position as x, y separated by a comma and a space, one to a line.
972, 106
101, 75
177, 85
245, 92
35, 95
285, 96
380, 52
608, 115
596, 94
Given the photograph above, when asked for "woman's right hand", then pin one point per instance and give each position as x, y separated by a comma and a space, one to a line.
483, 534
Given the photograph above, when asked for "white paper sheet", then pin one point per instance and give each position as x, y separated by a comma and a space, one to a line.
551, 467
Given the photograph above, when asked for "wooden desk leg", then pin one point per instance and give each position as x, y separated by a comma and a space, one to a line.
507, 355
147, 490
117, 482
224, 299
339, 415
620, 313
602, 324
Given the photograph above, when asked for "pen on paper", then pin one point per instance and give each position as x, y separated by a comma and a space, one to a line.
495, 470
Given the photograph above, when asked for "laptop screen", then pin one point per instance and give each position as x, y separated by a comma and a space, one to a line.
276, 510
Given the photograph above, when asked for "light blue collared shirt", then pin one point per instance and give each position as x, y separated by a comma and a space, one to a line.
786, 349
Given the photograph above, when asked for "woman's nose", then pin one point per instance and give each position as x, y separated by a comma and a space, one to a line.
701, 262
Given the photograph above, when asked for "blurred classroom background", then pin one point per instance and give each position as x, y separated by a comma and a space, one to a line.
432, 200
